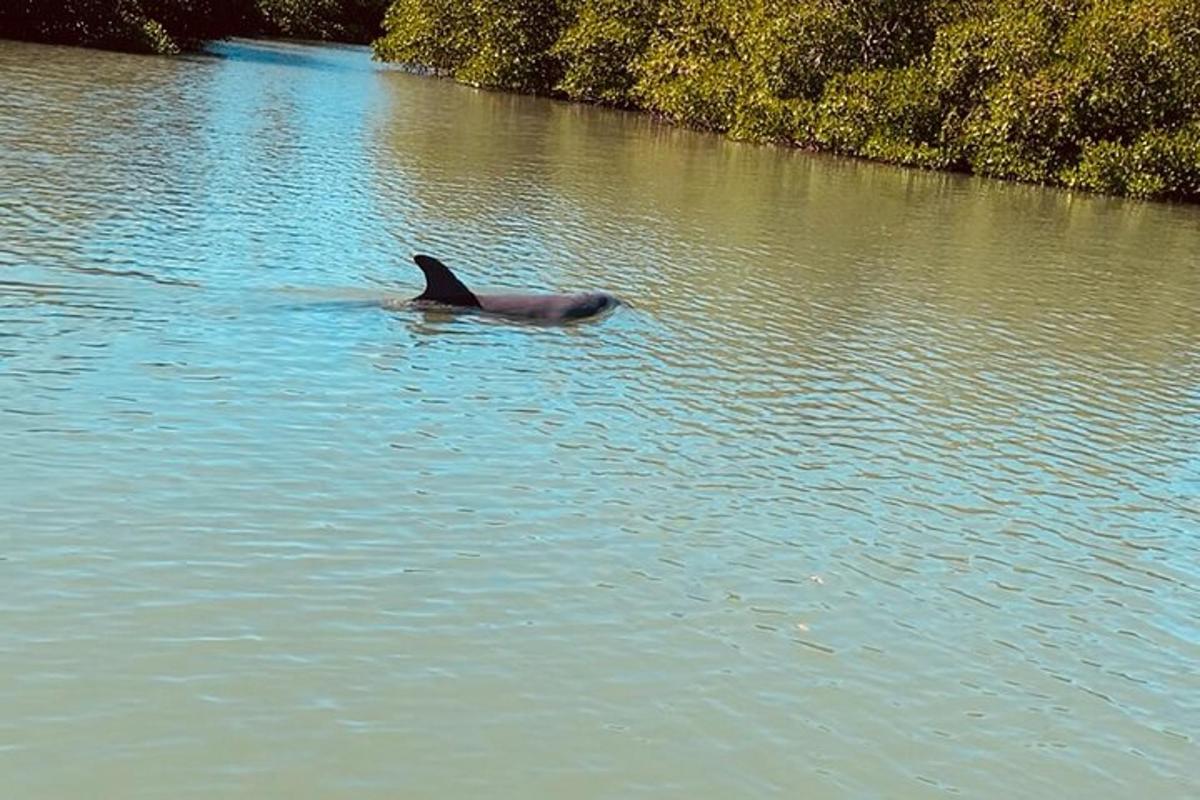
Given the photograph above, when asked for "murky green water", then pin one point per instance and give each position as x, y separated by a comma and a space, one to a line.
886, 485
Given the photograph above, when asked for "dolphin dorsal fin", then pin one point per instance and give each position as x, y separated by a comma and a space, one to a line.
441, 286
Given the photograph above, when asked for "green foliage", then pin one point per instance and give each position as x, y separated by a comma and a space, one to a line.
1157, 164
797, 48
888, 115
601, 46
334, 20
1059, 81
514, 45
1140, 64
499, 44
169, 26
690, 71
440, 35
152, 26
1027, 128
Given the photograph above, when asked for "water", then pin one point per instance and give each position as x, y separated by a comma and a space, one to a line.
885, 484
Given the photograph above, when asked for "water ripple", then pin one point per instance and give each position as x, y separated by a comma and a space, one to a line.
873, 461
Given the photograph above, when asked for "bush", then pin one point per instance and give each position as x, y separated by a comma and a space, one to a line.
169, 26
601, 46
335, 20
440, 35
498, 44
515, 41
887, 115
153, 26
1157, 164
1140, 65
1027, 128
690, 71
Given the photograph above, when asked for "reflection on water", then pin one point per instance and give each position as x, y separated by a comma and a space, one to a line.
885, 485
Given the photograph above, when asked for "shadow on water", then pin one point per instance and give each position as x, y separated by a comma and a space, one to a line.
290, 53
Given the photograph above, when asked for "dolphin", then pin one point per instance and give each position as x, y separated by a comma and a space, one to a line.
442, 287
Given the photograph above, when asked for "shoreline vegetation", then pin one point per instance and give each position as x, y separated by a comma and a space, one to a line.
1100, 95
168, 27
1097, 95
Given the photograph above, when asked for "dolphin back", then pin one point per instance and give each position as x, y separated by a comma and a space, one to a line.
547, 306
441, 286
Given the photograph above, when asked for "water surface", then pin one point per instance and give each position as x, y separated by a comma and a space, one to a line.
884, 485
